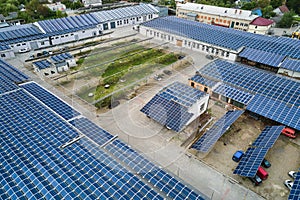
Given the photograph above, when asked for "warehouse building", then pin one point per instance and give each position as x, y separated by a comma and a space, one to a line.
257, 50
52, 32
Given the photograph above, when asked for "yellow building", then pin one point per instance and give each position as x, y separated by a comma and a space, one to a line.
226, 17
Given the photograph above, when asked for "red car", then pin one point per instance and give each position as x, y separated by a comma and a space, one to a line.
289, 132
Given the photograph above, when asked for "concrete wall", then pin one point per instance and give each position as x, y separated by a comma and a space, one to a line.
259, 29
195, 108
48, 72
7, 54
190, 43
71, 62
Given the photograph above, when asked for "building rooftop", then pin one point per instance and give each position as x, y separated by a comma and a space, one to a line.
260, 21
220, 11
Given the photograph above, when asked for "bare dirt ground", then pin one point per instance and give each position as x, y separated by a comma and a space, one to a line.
284, 156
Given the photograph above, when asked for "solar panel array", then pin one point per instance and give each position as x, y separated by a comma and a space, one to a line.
20, 33
167, 112
204, 81
233, 93
126, 12
53, 102
262, 57
182, 94
12, 74
254, 155
251, 161
295, 191
224, 37
69, 24
6, 85
291, 64
152, 173
268, 136
91, 130
42, 64
208, 139
254, 81
33, 165
275, 110
61, 57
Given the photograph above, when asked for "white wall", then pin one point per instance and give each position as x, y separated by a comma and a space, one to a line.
17, 46
195, 108
7, 54
289, 73
259, 29
71, 62
48, 72
190, 43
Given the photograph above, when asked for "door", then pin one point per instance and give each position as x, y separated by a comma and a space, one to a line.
179, 43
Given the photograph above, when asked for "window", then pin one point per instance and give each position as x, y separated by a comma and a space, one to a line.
208, 18
62, 36
3, 55
203, 48
18, 45
205, 17
221, 20
192, 84
225, 21
66, 35
24, 44
150, 32
83, 31
242, 24
217, 20
255, 27
56, 37
72, 34
118, 23
189, 44
43, 43
227, 54
124, 21
185, 42
198, 46
202, 107
237, 23
201, 17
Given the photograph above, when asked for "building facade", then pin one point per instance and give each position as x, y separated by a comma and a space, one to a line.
226, 17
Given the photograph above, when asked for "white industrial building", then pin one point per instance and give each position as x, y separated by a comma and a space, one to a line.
52, 32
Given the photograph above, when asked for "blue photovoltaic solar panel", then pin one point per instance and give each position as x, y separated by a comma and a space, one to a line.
254, 80
42, 64
268, 136
126, 12
233, 93
61, 57
33, 166
251, 161
275, 110
11, 73
291, 64
263, 57
200, 79
205, 143
163, 181
224, 37
295, 191
181, 93
91, 130
167, 112
6, 85
53, 102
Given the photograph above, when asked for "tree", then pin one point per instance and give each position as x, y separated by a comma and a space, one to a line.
267, 11
249, 6
294, 4
287, 20
275, 3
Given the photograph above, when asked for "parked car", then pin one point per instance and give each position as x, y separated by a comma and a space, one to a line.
237, 156
256, 180
292, 174
288, 184
289, 132
263, 174
24, 50
265, 163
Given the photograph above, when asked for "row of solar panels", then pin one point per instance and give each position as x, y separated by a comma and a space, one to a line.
210, 137
254, 155
264, 49
34, 165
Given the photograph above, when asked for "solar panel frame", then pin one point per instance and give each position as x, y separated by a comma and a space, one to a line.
268, 136
295, 191
251, 161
